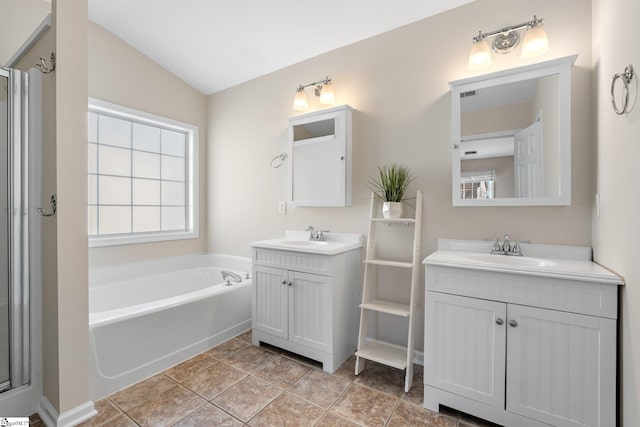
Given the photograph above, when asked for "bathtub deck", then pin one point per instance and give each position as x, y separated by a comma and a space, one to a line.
236, 383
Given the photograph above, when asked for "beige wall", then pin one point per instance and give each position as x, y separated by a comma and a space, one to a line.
64, 236
71, 176
398, 84
18, 19
510, 117
120, 74
616, 232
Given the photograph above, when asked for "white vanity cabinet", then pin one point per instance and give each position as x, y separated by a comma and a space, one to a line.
307, 303
521, 346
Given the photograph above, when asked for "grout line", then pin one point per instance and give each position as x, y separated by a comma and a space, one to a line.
393, 411
333, 404
282, 391
192, 412
227, 412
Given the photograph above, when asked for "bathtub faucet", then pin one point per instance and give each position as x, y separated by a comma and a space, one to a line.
229, 276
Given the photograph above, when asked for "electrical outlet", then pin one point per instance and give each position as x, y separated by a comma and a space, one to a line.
282, 207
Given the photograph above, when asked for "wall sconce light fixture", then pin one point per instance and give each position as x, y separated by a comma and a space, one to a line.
322, 89
506, 39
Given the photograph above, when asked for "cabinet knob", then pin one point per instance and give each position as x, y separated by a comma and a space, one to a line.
513, 323
499, 321
284, 282
290, 283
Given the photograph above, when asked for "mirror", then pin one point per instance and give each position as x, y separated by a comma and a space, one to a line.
512, 137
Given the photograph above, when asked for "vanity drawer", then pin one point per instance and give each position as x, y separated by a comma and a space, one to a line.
297, 261
574, 296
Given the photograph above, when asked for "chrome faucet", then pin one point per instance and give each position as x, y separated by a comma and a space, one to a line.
496, 249
312, 232
316, 234
515, 249
506, 248
230, 276
506, 244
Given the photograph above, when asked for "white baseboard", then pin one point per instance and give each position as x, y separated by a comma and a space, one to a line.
70, 418
418, 359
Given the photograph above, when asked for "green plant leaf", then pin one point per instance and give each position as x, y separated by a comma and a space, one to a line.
392, 182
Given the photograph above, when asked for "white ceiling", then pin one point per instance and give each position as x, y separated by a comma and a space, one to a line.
216, 44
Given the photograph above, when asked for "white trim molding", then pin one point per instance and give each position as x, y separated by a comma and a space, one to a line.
72, 417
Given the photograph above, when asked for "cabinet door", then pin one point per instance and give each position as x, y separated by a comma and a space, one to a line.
310, 312
320, 158
465, 347
271, 301
561, 367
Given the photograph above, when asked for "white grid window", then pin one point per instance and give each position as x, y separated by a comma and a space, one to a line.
141, 176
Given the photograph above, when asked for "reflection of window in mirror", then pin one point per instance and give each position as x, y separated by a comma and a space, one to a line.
477, 184
516, 123
501, 128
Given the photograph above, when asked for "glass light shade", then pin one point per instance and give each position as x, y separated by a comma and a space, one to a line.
535, 42
480, 55
327, 96
300, 101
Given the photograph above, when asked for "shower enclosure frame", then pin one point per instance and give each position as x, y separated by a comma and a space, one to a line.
18, 228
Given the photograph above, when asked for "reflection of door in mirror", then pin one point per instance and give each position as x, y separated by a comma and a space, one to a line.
527, 161
512, 136
495, 120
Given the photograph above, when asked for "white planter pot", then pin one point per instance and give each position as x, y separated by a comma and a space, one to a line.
392, 210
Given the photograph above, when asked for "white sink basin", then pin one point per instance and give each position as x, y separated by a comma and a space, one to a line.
562, 262
308, 243
507, 260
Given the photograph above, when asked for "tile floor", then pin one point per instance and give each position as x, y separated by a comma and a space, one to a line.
238, 384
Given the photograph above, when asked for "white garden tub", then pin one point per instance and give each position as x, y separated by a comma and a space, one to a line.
146, 317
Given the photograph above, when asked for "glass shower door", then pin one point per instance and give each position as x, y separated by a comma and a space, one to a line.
14, 230
4, 235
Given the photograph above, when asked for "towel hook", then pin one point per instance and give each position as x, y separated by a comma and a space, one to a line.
626, 78
54, 206
44, 69
282, 157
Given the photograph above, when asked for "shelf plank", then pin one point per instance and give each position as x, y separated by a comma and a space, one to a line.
401, 264
394, 220
388, 307
384, 353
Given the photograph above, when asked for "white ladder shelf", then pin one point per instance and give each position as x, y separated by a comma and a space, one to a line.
378, 351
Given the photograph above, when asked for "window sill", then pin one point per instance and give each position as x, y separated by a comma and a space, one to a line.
116, 240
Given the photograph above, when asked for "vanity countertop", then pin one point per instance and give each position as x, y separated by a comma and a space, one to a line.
561, 262
298, 241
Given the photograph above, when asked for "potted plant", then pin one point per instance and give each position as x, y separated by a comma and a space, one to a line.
390, 186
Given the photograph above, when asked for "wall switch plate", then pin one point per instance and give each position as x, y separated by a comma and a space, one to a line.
282, 207
596, 205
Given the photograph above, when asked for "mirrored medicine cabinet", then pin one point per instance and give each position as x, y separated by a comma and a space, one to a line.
511, 136
320, 152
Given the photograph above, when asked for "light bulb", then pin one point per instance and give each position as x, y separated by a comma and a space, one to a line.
480, 55
300, 101
327, 96
535, 42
